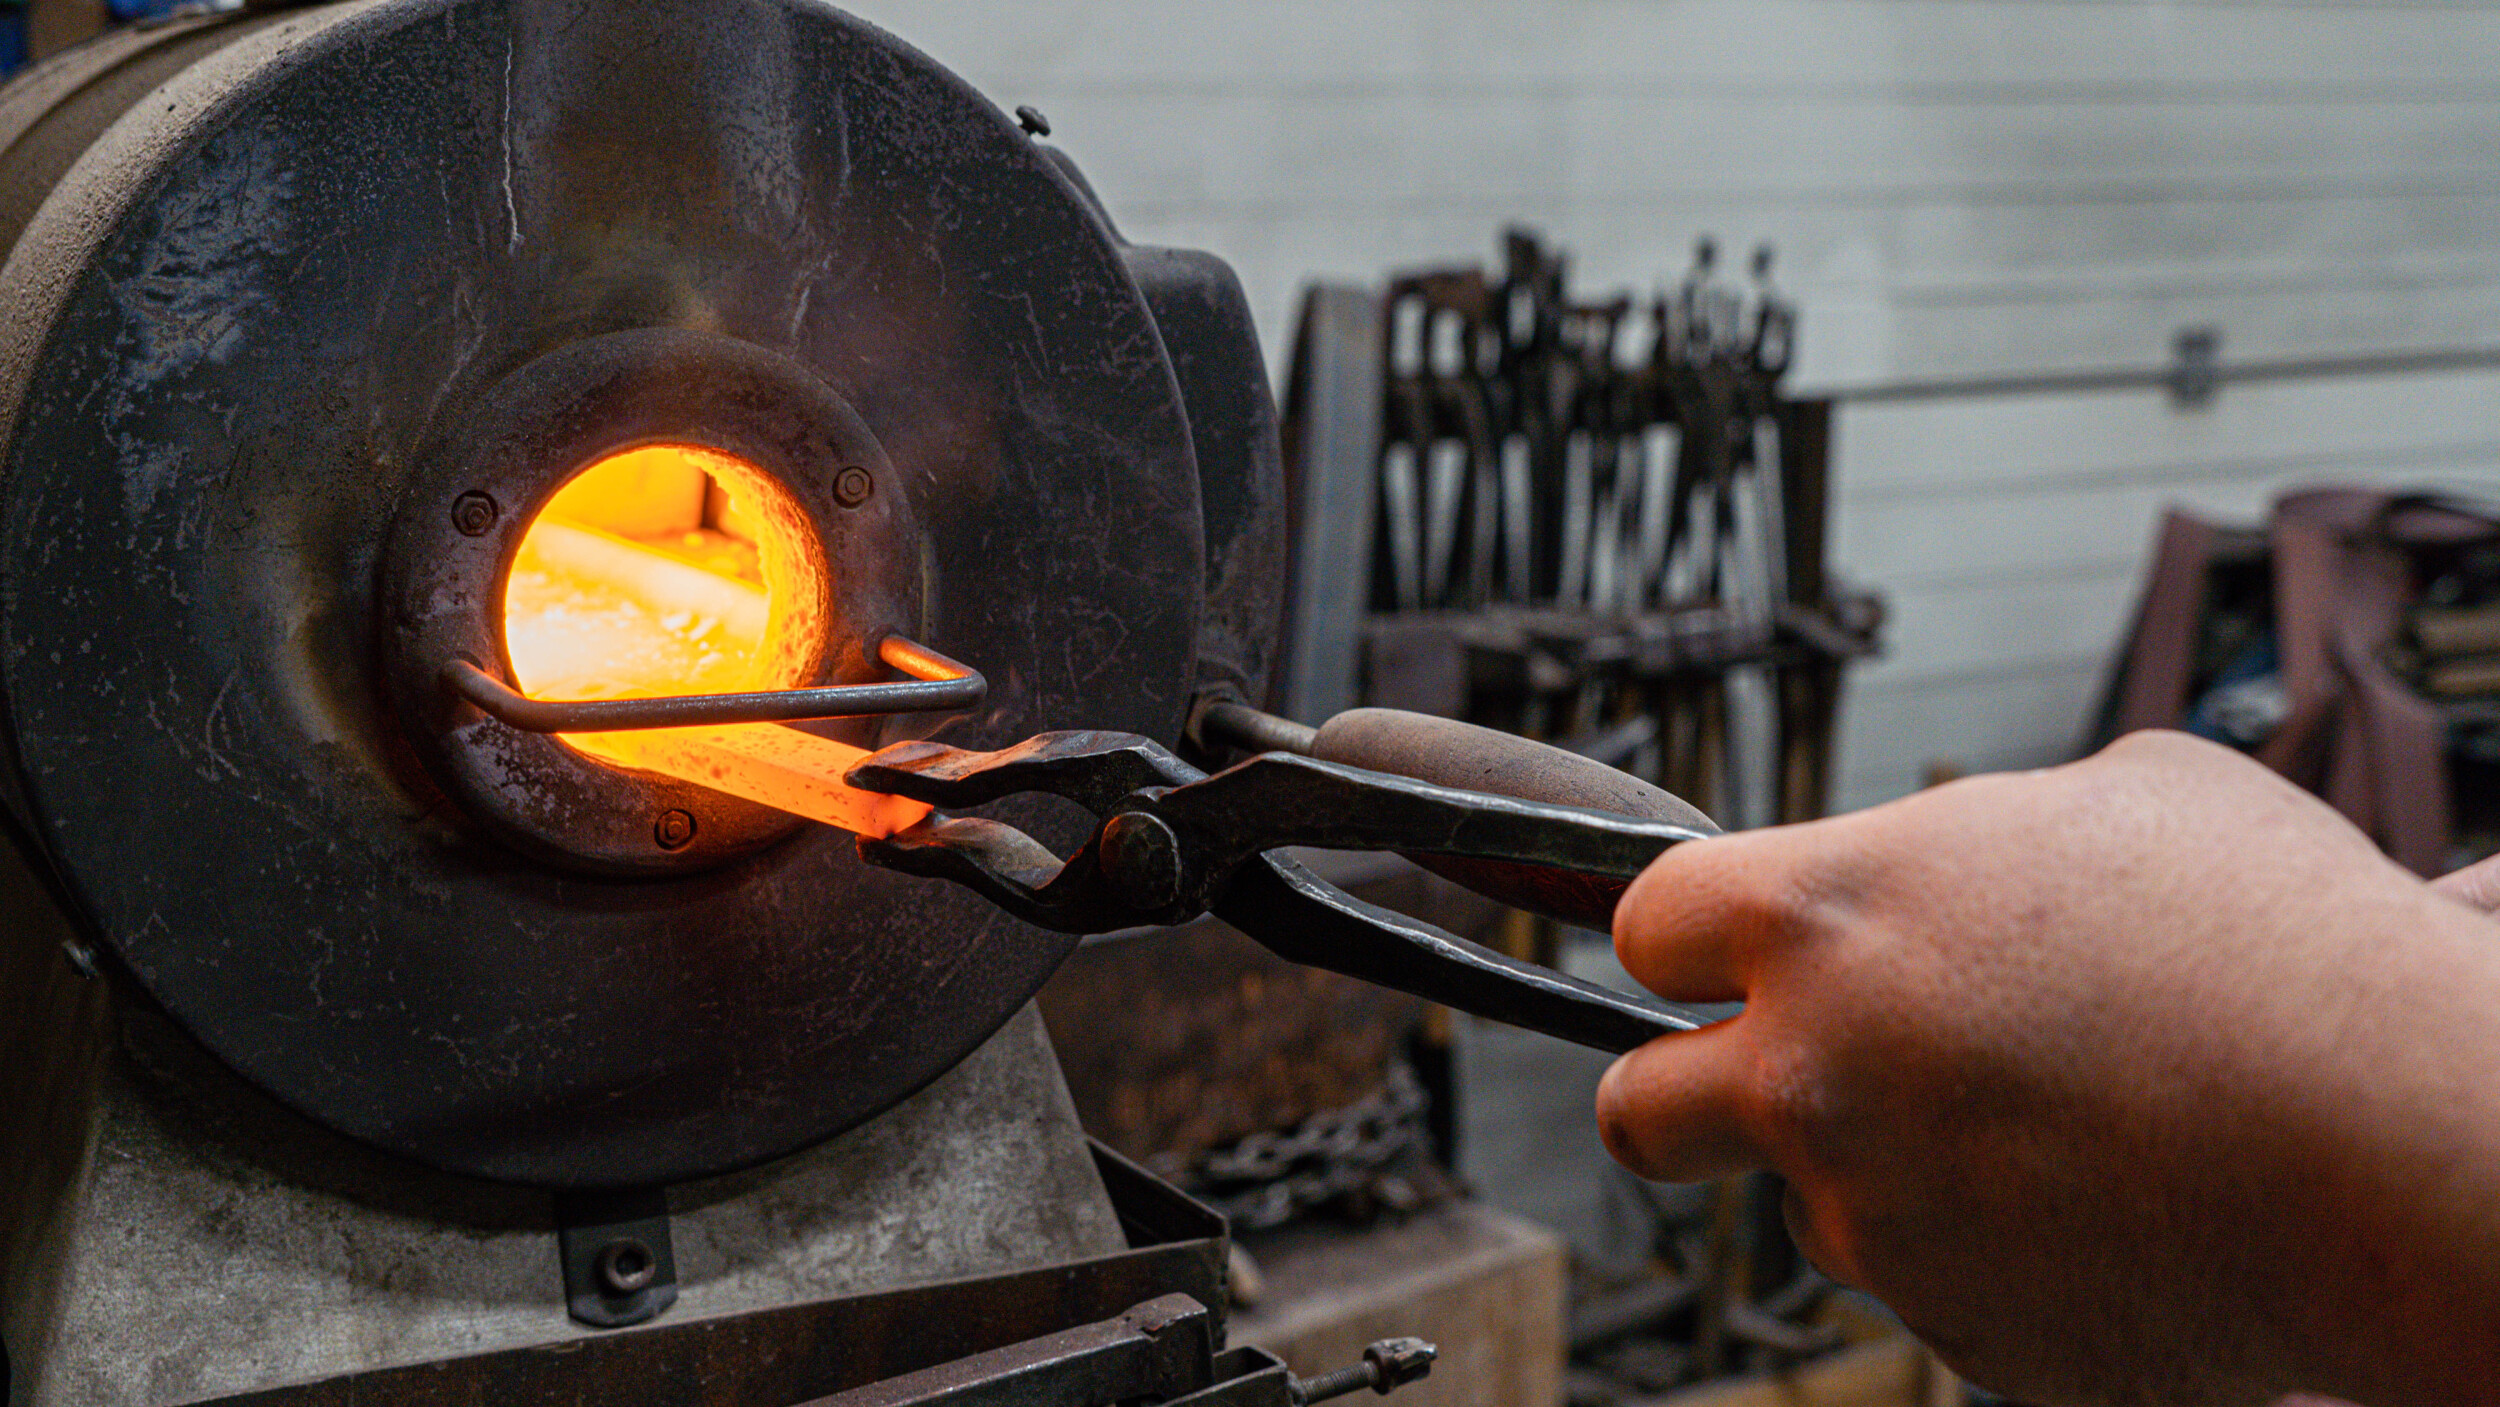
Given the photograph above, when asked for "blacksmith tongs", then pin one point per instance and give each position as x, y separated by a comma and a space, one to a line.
1175, 842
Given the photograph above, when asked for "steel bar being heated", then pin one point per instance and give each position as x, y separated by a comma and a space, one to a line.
762, 762
618, 629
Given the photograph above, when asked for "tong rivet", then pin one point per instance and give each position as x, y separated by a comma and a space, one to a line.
1141, 856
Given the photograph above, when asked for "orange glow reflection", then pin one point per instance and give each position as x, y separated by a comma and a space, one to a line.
678, 570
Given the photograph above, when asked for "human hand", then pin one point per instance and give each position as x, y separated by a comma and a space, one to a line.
2141, 1079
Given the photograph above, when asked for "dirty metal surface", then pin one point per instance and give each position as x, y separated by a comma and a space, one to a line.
789, 1353
240, 320
1205, 318
214, 1243
52, 112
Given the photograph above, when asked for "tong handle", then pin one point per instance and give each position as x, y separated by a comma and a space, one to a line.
1449, 753
1302, 918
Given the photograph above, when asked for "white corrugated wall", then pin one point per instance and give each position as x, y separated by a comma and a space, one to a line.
1956, 187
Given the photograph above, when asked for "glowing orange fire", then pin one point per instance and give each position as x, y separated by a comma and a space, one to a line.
673, 569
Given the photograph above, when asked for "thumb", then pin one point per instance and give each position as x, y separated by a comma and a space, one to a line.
1674, 1110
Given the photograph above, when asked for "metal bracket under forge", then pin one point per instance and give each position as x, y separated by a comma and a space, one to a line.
620, 1266
798, 1352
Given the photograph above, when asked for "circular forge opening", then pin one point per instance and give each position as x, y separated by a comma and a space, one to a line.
665, 569
696, 481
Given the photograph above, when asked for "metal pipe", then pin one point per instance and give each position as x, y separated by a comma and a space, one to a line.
938, 684
2169, 378
1244, 727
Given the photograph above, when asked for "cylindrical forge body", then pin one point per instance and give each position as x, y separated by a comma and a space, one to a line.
310, 311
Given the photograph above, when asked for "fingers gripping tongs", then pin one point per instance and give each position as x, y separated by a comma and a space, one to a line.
1175, 843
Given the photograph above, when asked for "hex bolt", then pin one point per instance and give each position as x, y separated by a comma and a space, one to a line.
852, 485
627, 1265
1031, 120
1141, 855
474, 514
1387, 1365
81, 958
674, 830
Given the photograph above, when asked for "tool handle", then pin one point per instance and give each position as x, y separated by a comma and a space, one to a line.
1449, 753
1304, 919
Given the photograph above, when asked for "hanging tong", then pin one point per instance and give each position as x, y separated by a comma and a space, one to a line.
1175, 842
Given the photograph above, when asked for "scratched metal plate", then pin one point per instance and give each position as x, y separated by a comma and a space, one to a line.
234, 328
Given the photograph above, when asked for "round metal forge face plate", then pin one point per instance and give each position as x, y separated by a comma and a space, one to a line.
254, 308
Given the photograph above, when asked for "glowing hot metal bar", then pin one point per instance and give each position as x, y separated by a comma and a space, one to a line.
763, 762
620, 632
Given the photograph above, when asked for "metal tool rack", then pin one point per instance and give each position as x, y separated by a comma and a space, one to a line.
1598, 523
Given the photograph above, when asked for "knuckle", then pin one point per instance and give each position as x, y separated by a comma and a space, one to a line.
1771, 883
1660, 890
2167, 749
1755, 890
1751, 894
2151, 742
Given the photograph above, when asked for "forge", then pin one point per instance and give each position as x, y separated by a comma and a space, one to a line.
472, 475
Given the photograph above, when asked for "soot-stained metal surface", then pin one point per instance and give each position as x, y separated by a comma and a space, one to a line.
280, 283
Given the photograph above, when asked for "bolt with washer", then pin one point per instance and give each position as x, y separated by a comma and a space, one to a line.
852, 485
674, 830
627, 1265
474, 514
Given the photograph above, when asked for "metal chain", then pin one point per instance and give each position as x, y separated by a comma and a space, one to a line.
1267, 1178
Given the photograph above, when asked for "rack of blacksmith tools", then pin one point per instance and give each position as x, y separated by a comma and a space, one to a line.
1598, 523
1601, 523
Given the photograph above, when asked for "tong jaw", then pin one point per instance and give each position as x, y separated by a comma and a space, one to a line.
1175, 844
1091, 768
1004, 865
1097, 770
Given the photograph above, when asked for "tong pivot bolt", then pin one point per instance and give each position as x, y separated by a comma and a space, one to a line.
1142, 858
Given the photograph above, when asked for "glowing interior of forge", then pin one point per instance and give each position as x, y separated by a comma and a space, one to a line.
673, 569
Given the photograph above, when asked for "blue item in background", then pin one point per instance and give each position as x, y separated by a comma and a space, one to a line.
2247, 701
150, 11
12, 38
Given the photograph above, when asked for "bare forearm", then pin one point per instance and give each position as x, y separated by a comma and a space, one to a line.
2393, 1247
